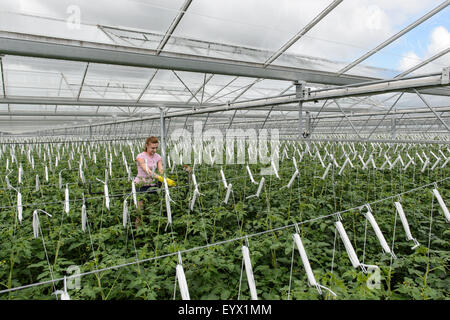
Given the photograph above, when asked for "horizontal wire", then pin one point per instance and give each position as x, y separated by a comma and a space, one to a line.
214, 244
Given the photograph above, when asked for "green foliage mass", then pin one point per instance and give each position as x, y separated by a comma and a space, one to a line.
215, 271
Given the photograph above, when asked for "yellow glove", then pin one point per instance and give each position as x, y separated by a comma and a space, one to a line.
170, 182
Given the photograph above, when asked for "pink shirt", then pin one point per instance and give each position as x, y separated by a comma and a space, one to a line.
152, 163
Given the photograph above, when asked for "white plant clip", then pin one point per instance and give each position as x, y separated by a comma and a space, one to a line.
364, 165
133, 191
223, 178
274, 169
369, 216
399, 158
46, 173
349, 248
184, 290
325, 173
435, 164
320, 159
66, 200
105, 189
445, 162
83, 216
19, 176
405, 224
420, 158
442, 204
125, 213
427, 162
251, 176
80, 170
60, 179
311, 279
168, 200
334, 161
63, 293
347, 160
249, 272
194, 197
291, 180
37, 183
411, 161
8, 184
106, 196
36, 222
261, 182
227, 196
388, 161
194, 180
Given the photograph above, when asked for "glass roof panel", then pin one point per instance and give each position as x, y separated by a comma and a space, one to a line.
432, 67
26, 76
228, 91
350, 31
261, 28
115, 82
78, 19
267, 88
165, 86
427, 39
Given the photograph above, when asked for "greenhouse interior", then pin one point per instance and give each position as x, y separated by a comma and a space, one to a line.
302, 150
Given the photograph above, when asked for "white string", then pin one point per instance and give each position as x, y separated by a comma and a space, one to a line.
290, 275
429, 234
240, 279
175, 288
393, 241
48, 260
365, 239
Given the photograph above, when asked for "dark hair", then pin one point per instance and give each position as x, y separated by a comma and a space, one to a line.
149, 140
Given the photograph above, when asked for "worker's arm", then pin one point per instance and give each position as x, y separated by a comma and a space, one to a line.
160, 167
141, 163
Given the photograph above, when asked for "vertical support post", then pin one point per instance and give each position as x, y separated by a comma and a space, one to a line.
232, 118
207, 116
3, 77
393, 128
300, 92
300, 120
308, 124
163, 136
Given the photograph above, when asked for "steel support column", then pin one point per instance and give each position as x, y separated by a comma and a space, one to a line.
163, 136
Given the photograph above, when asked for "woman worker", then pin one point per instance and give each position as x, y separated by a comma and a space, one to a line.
147, 162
